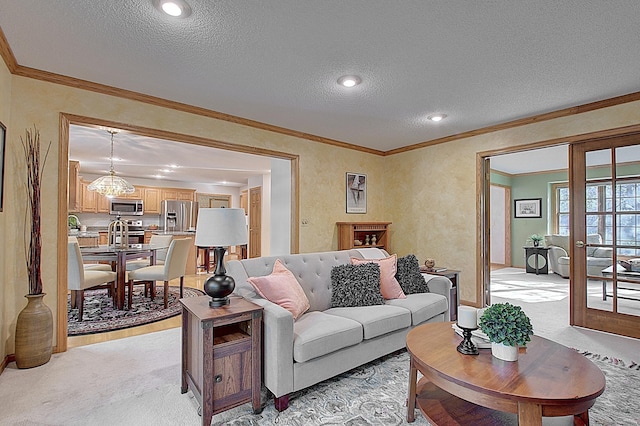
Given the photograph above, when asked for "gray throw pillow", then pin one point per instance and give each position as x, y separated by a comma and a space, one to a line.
355, 285
409, 276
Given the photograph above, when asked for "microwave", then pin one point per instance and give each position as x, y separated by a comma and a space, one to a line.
125, 207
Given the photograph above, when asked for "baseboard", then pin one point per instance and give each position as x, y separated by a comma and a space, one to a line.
7, 359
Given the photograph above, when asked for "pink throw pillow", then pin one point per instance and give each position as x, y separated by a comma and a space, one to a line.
282, 288
389, 285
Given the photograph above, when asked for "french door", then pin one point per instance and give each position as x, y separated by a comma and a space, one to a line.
605, 234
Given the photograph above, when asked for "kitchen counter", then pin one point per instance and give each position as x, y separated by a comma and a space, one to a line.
161, 232
86, 234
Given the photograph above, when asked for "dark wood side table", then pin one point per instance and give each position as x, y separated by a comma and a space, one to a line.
454, 277
537, 259
221, 354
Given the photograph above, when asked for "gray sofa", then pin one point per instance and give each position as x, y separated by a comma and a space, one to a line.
598, 258
325, 341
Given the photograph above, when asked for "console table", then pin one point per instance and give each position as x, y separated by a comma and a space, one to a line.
539, 257
221, 354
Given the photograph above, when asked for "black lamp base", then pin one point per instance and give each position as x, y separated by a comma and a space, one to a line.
219, 285
467, 347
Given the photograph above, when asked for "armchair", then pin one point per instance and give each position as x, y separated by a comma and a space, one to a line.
598, 258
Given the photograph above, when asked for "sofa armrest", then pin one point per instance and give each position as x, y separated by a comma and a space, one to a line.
277, 352
556, 252
440, 285
603, 252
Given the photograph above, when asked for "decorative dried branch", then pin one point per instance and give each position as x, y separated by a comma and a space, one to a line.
31, 146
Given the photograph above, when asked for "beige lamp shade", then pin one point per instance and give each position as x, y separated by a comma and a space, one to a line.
221, 227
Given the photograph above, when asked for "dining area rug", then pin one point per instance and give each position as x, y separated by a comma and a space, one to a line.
100, 316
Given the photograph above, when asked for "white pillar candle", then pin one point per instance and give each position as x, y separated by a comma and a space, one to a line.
467, 317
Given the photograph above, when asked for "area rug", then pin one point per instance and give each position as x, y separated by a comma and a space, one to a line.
375, 394
100, 316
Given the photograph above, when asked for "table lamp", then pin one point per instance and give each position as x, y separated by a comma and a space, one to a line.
220, 228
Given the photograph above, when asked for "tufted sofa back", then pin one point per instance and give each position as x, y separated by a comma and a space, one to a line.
312, 270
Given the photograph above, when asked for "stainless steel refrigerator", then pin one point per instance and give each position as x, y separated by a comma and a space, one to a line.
178, 216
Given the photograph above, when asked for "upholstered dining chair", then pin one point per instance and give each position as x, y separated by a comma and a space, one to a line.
79, 279
91, 266
161, 255
174, 267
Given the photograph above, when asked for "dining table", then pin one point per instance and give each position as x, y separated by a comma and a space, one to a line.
118, 256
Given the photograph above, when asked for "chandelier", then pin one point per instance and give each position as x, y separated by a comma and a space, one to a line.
111, 185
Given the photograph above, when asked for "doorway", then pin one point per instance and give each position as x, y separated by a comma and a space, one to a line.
68, 120
600, 203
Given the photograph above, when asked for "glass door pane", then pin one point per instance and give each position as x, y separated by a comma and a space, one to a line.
605, 232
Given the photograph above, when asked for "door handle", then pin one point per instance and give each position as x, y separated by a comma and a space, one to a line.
579, 244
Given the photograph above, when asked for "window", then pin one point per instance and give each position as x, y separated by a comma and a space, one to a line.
599, 207
561, 218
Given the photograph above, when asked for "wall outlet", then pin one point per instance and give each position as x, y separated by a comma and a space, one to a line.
305, 222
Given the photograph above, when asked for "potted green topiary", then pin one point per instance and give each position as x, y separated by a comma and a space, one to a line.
507, 327
536, 239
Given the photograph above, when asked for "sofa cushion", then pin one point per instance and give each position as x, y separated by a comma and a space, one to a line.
281, 287
376, 320
423, 306
316, 334
356, 285
389, 286
409, 277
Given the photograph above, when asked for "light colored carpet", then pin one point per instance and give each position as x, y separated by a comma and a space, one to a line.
136, 381
545, 299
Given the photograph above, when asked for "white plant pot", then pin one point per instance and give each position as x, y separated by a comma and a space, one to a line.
504, 352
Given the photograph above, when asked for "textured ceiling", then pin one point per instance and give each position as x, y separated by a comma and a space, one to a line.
482, 63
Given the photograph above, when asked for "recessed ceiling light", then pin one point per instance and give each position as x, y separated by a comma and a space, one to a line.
437, 117
175, 8
349, 80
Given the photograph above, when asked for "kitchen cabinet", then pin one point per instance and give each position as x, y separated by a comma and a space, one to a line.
103, 238
178, 194
89, 200
103, 204
135, 195
356, 234
152, 200
75, 190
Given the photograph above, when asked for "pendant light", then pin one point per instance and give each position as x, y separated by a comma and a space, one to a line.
111, 185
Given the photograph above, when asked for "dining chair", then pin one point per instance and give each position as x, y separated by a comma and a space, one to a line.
79, 279
174, 267
92, 266
161, 255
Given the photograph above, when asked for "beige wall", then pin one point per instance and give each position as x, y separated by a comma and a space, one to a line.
5, 318
428, 194
433, 190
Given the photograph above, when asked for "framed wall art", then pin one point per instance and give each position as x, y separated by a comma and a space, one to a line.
356, 193
3, 134
528, 208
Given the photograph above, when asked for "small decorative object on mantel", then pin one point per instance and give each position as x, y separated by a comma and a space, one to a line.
507, 327
374, 239
34, 325
536, 239
467, 321
367, 241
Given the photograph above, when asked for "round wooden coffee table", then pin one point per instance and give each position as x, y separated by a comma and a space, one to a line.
547, 380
